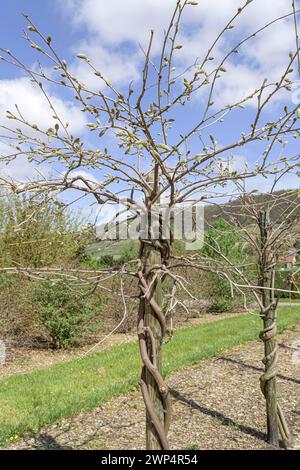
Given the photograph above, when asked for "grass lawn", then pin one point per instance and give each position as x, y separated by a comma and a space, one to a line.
31, 401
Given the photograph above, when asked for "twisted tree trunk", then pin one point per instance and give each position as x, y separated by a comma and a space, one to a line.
276, 423
151, 331
268, 379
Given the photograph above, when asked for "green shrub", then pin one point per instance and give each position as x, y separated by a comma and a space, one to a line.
284, 281
62, 313
130, 252
108, 261
220, 294
36, 231
224, 237
222, 304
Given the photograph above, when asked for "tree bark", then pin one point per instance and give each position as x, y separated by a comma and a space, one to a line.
151, 330
276, 423
270, 387
153, 257
268, 335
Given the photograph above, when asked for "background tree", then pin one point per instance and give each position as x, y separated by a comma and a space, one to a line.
269, 227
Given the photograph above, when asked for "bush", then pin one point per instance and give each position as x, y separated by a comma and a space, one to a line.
221, 235
220, 297
17, 314
222, 304
284, 281
61, 313
37, 314
38, 232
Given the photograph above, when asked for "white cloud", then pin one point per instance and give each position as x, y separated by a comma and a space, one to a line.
86, 176
34, 107
235, 163
118, 21
115, 28
20, 169
118, 67
239, 83
265, 55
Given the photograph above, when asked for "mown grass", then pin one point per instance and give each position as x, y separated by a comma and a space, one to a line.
31, 401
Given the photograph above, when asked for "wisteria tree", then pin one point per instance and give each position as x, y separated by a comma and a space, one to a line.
269, 225
152, 144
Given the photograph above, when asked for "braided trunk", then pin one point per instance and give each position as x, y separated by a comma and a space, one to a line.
268, 379
276, 423
151, 330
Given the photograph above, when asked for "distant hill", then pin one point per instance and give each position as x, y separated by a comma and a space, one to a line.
280, 202
112, 248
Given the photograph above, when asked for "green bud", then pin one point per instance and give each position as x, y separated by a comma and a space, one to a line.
82, 56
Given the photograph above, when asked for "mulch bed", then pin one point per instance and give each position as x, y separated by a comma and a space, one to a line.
217, 405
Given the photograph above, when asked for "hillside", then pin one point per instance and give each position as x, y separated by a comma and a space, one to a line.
279, 202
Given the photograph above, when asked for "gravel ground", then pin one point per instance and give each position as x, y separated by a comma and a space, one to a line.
217, 405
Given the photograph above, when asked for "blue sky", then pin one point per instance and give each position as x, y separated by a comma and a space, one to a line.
111, 34
46, 13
